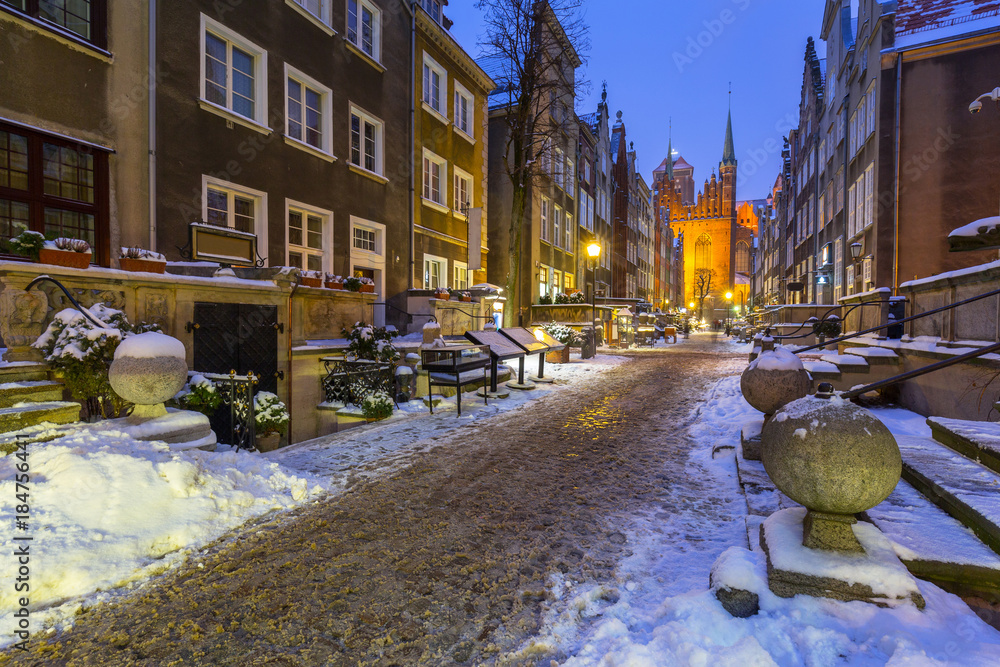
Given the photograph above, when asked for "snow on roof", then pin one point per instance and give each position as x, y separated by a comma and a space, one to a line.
978, 227
681, 163
920, 22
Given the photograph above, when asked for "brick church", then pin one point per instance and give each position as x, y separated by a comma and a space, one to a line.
717, 243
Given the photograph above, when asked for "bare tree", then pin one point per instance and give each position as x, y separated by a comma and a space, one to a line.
531, 49
704, 283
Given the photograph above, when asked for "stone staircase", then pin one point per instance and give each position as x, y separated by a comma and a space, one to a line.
29, 398
856, 366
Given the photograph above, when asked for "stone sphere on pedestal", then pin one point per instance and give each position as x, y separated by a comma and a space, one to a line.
775, 378
830, 455
148, 370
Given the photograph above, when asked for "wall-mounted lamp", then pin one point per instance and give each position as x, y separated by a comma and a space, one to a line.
856, 249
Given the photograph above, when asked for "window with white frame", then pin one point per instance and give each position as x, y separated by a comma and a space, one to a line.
851, 207
463, 190
543, 280
435, 168
869, 195
307, 110
557, 219
364, 27
870, 95
568, 232
465, 110
433, 8
435, 86
838, 262
366, 239
234, 72
435, 272
461, 280
228, 205
862, 123
570, 175
308, 247
544, 209
366, 141
318, 8
859, 203
559, 160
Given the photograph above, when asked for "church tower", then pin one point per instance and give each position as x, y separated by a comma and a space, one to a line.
727, 171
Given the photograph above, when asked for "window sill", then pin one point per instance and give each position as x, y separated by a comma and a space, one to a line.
367, 174
212, 107
312, 150
464, 135
311, 17
58, 33
351, 46
434, 112
455, 213
430, 203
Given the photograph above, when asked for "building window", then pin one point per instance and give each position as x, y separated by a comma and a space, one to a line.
307, 237
544, 220
869, 196
435, 272
366, 141
464, 110
307, 115
461, 275
365, 239
463, 191
742, 257
558, 159
364, 28
435, 85
51, 186
569, 282
85, 19
233, 72
435, 168
433, 8
570, 176
703, 252
232, 206
318, 8
870, 100
557, 218
568, 232
543, 281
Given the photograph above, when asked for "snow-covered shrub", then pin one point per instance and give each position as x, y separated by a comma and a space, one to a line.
544, 300
28, 244
562, 333
270, 414
578, 297
830, 327
200, 395
562, 297
365, 341
82, 353
353, 284
377, 405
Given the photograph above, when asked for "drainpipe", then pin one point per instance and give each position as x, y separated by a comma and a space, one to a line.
151, 100
412, 140
288, 376
895, 212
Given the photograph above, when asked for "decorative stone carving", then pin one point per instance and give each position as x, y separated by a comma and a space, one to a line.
22, 321
157, 310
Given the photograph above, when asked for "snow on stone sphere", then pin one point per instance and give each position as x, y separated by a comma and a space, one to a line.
151, 344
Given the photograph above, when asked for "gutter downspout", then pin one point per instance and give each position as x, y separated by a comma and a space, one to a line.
151, 101
412, 139
288, 381
895, 212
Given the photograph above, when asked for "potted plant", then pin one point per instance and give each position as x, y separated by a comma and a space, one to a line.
352, 284
376, 405
199, 395
564, 335
371, 343
465, 296
442, 293
367, 285
333, 281
562, 298
311, 278
828, 328
545, 300
140, 260
71, 253
28, 243
270, 420
578, 297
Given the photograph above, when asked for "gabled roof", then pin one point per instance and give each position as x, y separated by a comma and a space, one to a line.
681, 163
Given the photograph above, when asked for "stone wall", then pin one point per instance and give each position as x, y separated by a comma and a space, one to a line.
568, 313
977, 321
859, 316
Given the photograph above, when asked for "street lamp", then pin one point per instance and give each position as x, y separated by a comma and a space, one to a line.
729, 310
593, 251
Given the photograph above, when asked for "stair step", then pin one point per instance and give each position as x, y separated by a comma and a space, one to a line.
979, 441
847, 363
822, 370
12, 393
875, 356
24, 415
963, 488
23, 371
935, 546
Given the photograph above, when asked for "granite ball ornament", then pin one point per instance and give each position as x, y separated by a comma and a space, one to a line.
774, 379
148, 370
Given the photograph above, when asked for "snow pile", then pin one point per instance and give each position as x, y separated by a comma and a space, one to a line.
149, 345
108, 511
778, 359
983, 226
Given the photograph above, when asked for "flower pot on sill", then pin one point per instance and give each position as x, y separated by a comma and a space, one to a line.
368, 289
138, 264
466, 299
311, 282
333, 285
444, 296
67, 258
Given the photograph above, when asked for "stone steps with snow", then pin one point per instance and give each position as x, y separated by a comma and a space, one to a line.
822, 371
979, 441
966, 490
24, 415
935, 546
875, 356
23, 371
12, 393
853, 363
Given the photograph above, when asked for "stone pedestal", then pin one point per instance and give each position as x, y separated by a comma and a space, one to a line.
874, 575
832, 532
750, 440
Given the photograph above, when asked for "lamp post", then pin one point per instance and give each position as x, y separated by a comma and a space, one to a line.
729, 311
593, 251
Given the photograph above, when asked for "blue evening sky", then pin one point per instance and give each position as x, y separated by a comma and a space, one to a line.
675, 58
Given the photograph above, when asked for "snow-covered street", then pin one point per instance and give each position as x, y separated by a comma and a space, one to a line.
577, 524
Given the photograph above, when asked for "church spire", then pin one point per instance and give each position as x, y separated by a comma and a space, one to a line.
670, 152
729, 151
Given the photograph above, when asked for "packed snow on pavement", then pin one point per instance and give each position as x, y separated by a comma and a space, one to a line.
661, 611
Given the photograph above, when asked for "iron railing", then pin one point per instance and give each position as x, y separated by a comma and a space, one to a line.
76, 304
237, 394
812, 321
348, 382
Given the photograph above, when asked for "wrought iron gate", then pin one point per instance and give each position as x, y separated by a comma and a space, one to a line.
237, 337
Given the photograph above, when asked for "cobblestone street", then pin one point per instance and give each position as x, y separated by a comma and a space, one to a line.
443, 561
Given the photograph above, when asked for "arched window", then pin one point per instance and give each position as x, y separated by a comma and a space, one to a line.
703, 252
742, 257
